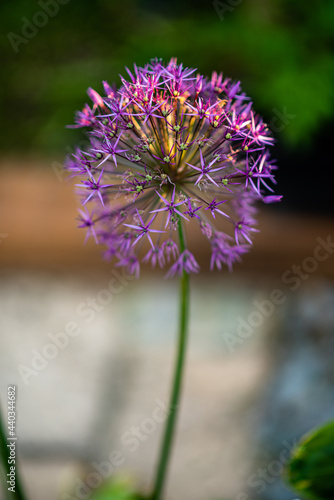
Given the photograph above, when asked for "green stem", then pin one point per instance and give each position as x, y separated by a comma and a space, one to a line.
4, 458
177, 382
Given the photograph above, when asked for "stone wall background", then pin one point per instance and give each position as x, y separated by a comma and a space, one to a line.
240, 409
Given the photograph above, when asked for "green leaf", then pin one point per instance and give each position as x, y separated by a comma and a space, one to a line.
310, 470
116, 490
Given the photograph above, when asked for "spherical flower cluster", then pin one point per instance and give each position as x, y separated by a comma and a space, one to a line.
169, 147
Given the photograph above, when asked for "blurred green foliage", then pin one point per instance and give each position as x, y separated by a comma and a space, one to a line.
280, 50
311, 467
118, 489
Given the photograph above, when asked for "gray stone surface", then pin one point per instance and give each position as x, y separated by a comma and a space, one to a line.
299, 394
111, 377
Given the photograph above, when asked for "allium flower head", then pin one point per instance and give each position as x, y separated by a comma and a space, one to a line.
167, 148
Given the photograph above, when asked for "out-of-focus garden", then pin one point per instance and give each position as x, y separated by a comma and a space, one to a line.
246, 400
280, 50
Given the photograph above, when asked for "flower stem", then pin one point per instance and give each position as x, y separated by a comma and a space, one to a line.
177, 381
4, 459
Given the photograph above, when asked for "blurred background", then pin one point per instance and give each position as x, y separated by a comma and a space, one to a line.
246, 398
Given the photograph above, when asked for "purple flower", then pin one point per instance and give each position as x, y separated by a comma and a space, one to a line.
192, 211
243, 228
223, 252
170, 207
206, 169
86, 220
154, 255
186, 262
272, 199
172, 143
131, 264
84, 118
171, 249
213, 207
94, 187
143, 230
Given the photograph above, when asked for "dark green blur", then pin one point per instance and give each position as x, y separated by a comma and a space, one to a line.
281, 51
310, 470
